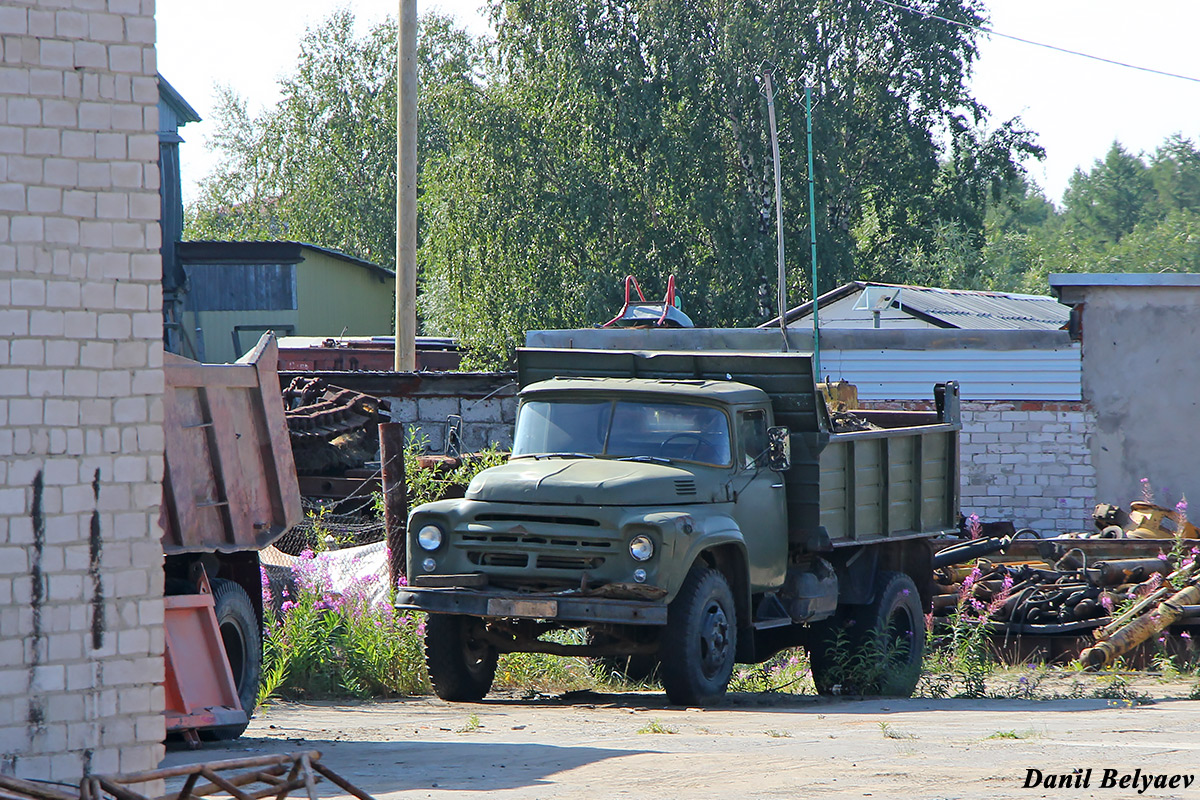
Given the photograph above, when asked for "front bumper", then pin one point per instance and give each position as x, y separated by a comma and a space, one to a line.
560, 607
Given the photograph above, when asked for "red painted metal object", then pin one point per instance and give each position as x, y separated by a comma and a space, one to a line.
200, 691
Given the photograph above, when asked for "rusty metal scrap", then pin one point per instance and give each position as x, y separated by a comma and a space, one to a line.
1141, 628
257, 777
316, 410
1070, 586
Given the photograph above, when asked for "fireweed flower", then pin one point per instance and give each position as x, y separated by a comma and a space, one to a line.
1107, 601
974, 526
1185, 635
968, 584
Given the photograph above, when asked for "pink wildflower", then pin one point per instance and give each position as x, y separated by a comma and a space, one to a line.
968, 584
1185, 635
288, 605
1107, 601
974, 526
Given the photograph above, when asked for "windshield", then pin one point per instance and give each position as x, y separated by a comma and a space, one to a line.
622, 429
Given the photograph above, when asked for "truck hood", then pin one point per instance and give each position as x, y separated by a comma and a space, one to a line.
587, 482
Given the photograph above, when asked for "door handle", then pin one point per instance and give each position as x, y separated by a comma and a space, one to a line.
776, 485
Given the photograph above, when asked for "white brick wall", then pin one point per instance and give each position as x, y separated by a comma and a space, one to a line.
80, 390
1029, 462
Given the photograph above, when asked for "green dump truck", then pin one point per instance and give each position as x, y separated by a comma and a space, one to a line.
686, 511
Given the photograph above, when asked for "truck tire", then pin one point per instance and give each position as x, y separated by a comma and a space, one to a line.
700, 639
891, 628
461, 666
240, 633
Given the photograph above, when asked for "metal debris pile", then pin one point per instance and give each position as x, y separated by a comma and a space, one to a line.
251, 778
1113, 590
332, 429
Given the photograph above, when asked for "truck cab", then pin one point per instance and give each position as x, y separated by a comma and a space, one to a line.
614, 483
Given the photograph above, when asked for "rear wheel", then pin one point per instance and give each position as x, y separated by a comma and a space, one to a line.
461, 664
874, 649
242, 638
700, 640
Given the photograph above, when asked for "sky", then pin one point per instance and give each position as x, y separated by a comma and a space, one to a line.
1077, 106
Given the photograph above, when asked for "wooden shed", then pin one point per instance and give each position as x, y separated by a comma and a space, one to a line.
237, 290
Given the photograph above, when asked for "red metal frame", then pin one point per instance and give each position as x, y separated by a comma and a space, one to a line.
667, 303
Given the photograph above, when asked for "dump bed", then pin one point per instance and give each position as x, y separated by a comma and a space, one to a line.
898, 480
230, 482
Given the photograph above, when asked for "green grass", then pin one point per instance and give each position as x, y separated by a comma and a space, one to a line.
654, 726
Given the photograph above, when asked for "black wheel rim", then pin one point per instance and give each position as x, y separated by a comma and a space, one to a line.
714, 639
901, 634
235, 649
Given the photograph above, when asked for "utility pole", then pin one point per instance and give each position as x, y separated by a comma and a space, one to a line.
406, 190
781, 295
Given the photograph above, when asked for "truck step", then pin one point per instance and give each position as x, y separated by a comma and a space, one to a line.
770, 614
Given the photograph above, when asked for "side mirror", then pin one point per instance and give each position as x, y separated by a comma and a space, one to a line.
779, 449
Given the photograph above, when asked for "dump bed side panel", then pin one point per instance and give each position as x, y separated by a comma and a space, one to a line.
892, 484
230, 482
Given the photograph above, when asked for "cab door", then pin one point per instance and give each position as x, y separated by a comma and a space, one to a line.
760, 508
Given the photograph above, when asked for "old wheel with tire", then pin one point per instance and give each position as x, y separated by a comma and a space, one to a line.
461, 664
880, 647
242, 638
700, 639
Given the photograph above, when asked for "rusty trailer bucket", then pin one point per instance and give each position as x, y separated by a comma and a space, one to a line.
200, 691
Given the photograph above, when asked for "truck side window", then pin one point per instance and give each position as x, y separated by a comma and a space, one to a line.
752, 437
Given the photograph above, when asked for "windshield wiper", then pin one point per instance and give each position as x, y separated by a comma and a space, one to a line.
651, 459
562, 455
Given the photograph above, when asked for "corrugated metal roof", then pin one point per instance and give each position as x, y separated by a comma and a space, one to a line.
955, 308
986, 310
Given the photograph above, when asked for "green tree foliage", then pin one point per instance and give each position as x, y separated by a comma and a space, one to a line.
321, 165
630, 137
1128, 213
1113, 198
606, 137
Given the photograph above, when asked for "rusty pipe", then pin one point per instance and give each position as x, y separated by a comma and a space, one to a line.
1184, 573
1141, 629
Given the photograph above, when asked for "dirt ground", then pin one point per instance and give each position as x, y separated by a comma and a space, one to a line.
634, 745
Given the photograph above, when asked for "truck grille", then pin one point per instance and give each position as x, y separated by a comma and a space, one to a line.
545, 520
568, 562
553, 541
499, 559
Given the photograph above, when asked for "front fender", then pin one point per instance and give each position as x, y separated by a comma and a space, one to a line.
713, 531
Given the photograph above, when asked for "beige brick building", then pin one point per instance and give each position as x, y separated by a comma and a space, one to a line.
80, 390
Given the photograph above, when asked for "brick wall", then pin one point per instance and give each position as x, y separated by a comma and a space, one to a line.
1029, 462
80, 390
1025, 461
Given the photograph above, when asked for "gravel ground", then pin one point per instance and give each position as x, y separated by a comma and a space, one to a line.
634, 745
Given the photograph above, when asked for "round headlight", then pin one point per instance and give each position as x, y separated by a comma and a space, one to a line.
429, 565
641, 548
429, 537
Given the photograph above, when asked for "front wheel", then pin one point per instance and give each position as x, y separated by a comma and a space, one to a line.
700, 640
461, 664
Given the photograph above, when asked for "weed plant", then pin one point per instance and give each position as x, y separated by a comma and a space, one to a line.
322, 643
785, 672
